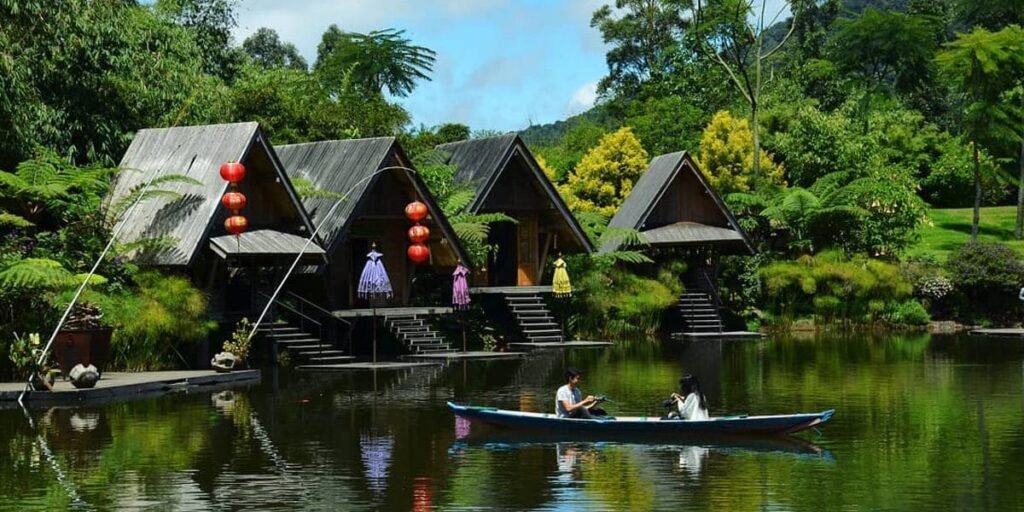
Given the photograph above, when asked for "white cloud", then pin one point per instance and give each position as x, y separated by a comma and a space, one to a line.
583, 98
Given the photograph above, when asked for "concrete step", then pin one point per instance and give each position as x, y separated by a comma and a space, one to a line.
329, 359
538, 339
532, 313
320, 353
538, 325
282, 336
276, 328
518, 309
298, 342
308, 347
522, 298
541, 332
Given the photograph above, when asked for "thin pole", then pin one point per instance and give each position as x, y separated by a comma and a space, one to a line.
85, 282
373, 308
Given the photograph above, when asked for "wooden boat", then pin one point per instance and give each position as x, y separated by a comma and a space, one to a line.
723, 425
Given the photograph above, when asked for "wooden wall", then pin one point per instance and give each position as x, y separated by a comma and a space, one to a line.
686, 200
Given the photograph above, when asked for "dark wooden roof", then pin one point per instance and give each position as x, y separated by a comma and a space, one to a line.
196, 152
649, 190
350, 167
264, 242
479, 163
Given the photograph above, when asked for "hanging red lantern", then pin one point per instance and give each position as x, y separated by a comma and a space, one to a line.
232, 172
416, 211
233, 201
236, 224
418, 234
418, 253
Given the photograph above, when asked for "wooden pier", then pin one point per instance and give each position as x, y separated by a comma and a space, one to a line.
1013, 332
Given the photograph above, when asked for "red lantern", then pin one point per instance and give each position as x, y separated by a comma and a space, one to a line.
418, 253
233, 201
418, 234
236, 224
416, 211
232, 172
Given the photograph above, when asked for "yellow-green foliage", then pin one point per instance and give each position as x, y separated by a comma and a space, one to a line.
727, 155
549, 171
612, 301
831, 286
606, 174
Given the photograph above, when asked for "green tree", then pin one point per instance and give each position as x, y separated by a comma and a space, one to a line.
606, 174
266, 49
209, 22
983, 66
642, 35
886, 52
726, 156
382, 59
734, 34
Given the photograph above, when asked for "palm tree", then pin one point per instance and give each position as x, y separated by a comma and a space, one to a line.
382, 59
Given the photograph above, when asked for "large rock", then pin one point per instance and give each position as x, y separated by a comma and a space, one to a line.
224, 362
83, 376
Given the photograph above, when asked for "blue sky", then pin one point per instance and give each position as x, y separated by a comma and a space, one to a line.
501, 64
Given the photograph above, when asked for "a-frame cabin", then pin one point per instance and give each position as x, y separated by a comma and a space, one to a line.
507, 179
678, 212
233, 271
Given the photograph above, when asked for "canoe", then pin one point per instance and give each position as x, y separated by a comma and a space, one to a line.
723, 425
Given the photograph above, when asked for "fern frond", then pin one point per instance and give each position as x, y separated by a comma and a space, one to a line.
472, 231
629, 257
306, 189
458, 201
35, 273
624, 237
15, 221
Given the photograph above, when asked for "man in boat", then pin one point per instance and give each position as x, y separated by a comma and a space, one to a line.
568, 400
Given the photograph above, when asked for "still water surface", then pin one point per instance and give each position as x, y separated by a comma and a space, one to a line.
922, 423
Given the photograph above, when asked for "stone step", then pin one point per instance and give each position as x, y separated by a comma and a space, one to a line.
276, 328
418, 334
539, 325
320, 353
309, 346
298, 341
529, 313
288, 335
529, 307
541, 332
412, 328
329, 359
521, 298
536, 339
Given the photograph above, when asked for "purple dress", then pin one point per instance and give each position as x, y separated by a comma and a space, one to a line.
460, 288
374, 282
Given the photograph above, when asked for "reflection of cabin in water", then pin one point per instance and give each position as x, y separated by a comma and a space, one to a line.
507, 179
231, 270
681, 215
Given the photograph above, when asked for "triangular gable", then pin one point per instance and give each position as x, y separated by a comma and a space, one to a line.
480, 163
651, 189
351, 167
196, 152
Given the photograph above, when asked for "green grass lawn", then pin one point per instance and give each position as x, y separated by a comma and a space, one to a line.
949, 228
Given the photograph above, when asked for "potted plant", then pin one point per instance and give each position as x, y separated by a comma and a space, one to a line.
236, 349
83, 339
24, 353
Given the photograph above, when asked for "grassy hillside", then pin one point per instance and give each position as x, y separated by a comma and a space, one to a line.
950, 228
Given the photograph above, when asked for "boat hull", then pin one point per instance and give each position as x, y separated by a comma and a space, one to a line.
726, 425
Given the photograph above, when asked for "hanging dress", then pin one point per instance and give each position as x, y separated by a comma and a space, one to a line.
460, 287
374, 282
560, 284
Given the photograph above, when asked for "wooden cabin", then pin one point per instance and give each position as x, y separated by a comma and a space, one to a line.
376, 181
232, 270
681, 215
506, 179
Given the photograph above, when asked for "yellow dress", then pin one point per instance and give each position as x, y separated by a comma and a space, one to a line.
560, 284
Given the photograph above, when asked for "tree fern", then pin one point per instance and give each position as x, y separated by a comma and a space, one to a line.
38, 273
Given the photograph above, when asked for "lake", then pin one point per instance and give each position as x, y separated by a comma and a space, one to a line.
922, 423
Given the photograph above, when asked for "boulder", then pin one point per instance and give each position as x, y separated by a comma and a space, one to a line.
83, 376
224, 362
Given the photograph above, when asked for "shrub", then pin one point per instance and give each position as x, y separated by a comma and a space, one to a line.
909, 312
727, 156
987, 275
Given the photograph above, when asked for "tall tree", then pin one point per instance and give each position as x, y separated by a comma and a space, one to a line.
606, 174
984, 66
733, 33
210, 23
382, 59
266, 49
643, 35
886, 52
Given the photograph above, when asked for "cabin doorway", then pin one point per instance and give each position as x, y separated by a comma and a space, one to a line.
503, 269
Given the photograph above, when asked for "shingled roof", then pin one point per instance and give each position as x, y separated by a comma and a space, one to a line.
196, 152
649, 191
350, 167
479, 163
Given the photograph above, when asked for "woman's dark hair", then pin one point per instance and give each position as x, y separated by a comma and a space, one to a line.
689, 384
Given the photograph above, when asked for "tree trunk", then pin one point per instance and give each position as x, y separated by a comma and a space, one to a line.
1019, 232
977, 194
757, 145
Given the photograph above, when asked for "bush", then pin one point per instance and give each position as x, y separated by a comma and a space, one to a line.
909, 312
987, 276
953, 173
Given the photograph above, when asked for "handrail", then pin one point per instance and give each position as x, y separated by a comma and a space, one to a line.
713, 291
316, 306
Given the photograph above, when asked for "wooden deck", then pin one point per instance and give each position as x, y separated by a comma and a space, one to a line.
509, 290
470, 354
382, 312
117, 385
727, 335
524, 345
1016, 332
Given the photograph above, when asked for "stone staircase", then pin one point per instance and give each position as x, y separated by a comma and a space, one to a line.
699, 312
535, 320
416, 334
303, 347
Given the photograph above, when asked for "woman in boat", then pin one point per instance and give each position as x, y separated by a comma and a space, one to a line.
569, 401
692, 404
